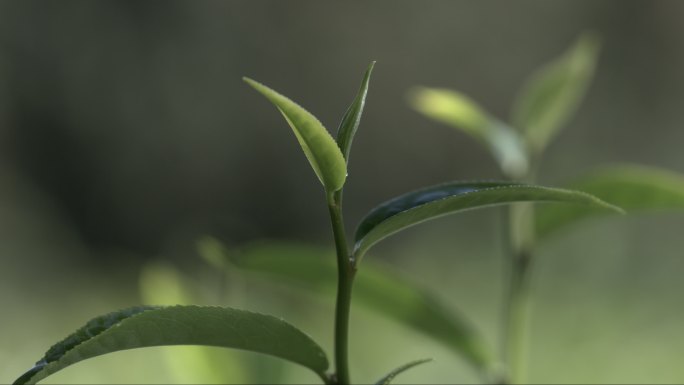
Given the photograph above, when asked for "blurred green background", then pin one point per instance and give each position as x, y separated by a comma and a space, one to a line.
126, 133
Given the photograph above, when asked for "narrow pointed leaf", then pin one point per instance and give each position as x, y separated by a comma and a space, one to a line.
422, 205
553, 93
460, 112
377, 288
181, 325
387, 379
319, 147
352, 118
634, 188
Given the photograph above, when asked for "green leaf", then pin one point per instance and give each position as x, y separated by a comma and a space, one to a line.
458, 111
376, 288
162, 283
554, 92
181, 325
390, 376
352, 118
319, 147
632, 187
213, 252
419, 206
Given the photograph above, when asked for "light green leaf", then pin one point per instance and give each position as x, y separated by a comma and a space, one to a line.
181, 325
319, 147
436, 201
162, 283
352, 118
213, 252
459, 111
632, 187
376, 288
553, 93
387, 379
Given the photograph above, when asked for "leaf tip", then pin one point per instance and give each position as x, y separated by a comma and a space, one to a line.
253, 83
607, 205
387, 379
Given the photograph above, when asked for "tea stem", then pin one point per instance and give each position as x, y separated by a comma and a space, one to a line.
520, 234
345, 278
516, 317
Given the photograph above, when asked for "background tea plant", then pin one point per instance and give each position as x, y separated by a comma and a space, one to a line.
149, 326
545, 104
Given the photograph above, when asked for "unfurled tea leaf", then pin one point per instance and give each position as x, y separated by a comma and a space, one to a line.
319, 147
181, 325
436, 201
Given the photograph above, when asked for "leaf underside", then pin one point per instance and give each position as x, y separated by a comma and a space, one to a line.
436, 201
377, 288
635, 188
181, 325
319, 147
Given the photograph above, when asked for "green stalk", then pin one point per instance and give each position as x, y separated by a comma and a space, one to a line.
520, 244
517, 302
345, 278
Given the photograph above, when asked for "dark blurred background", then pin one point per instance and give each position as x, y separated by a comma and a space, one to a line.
126, 133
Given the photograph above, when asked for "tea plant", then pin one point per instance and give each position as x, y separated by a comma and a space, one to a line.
146, 326
542, 108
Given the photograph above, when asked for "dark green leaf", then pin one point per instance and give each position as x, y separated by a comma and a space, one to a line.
181, 325
351, 118
390, 376
459, 111
419, 206
553, 93
319, 147
632, 187
377, 288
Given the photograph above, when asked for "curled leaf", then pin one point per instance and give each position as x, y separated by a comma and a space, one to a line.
352, 118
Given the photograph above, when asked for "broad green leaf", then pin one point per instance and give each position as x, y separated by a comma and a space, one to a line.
377, 288
352, 118
181, 325
387, 379
461, 112
553, 93
632, 187
319, 147
419, 206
